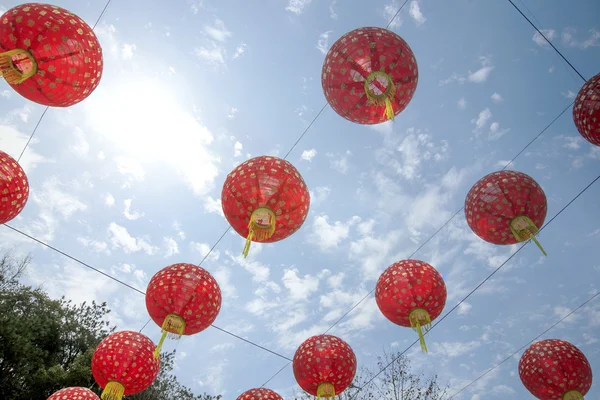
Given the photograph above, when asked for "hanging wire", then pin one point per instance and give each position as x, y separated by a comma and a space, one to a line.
484, 281
547, 40
526, 344
47, 107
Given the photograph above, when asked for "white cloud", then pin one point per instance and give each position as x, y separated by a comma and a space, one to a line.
462, 103
416, 14
127, 212
127, 51
297, 6
98, 246
339, 162
453, 349
539, 39
12, 142
240, 50
568, 39
373, 253
218, 31
482, 119
308, 155
260, 272
332, 13
204, 249
212, 53
300, 288
171, 245
464, 308
80, 147
323, 42
121, 239
232, 113
109, 200
223, 277
496, 98
495, 131
482, 74
237, 149
319, 195
569, 95
212, 205
328, 236
130, 168
196, 6
389, 12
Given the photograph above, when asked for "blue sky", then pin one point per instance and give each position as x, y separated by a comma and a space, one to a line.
129, 180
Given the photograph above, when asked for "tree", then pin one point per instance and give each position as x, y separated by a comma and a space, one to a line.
396, 382
47, 344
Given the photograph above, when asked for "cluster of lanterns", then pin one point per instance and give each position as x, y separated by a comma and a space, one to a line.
52, 57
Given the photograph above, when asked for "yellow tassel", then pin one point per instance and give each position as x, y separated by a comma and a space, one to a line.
325, 391
174, 326
573, 395
420, 319
258, 230
113, 391
523, 228
10, 72
385, 98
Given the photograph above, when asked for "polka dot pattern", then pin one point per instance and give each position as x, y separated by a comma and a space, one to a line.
497, 198
551, 368
324, 359
65, 48
126, 357
408, 285
586, 110
350, 61
187, 290
14, 188
259, 394
74, 393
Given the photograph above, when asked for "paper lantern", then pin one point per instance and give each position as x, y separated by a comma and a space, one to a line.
411, 293
369, 75
259, 394
324, 366
586, 111
14, 188
49, 55
506, 207
123, 364
183, 299
555, 370
74, 393
265, 200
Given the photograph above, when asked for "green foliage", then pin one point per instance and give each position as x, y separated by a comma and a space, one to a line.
47, 345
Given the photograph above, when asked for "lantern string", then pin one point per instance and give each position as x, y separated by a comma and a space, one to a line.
525, 345
484, 281
132, 287
48, 107
547, 40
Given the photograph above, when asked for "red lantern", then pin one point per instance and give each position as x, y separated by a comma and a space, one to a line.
506, 207
324, 366
411, 293
259, 394
49, 55
14, 188
183, 299
555, 370
586, 110
265, 200
369, 75
74, 393
123, 364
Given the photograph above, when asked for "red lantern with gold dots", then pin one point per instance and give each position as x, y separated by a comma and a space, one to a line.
586, 110
14, 188
183, 299
259, 394
411, 293
49, 55
555, 370
369, 75
506, 207
74, 393
123, 364
265, 200
324, 366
